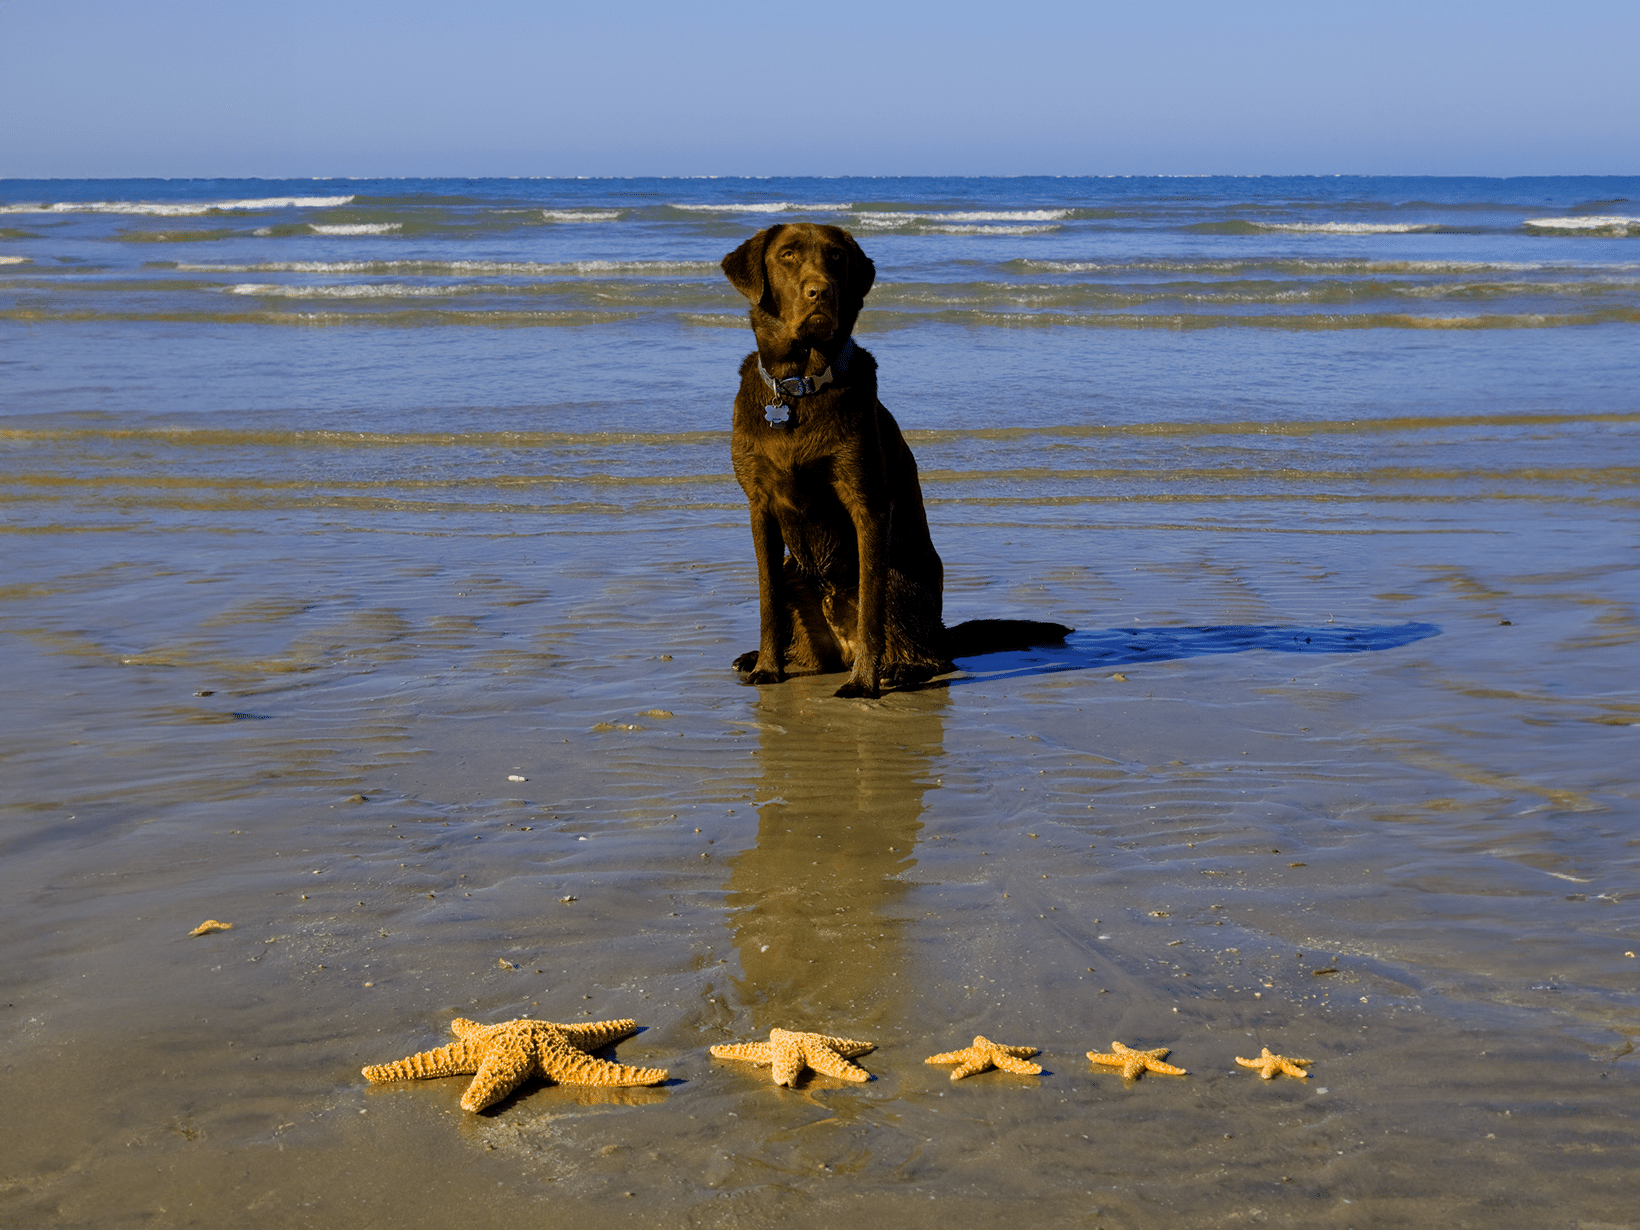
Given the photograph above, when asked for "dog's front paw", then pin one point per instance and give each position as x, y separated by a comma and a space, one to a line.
857, 690
746, 661
758, 678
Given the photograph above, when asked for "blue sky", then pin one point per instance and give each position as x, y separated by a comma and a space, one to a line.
93, 88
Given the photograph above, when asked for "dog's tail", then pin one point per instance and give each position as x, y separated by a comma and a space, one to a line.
978, 636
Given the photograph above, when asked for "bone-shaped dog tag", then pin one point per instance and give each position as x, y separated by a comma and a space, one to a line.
776, 415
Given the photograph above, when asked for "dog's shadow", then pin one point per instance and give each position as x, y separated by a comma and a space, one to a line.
1118, 647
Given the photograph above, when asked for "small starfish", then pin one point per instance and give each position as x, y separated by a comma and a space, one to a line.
987, 1054
1134, 1062
790, 1051
504, 1056
1268, 1065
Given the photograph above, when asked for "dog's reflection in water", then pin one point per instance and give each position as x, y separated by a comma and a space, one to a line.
815, 904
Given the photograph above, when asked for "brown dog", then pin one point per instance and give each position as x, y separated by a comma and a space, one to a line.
831, 480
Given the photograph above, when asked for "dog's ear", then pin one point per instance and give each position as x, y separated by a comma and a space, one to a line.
744, 266
861, 272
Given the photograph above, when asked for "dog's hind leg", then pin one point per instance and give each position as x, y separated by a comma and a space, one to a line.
914, 634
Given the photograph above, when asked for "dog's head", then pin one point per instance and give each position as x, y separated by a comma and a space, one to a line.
805, 282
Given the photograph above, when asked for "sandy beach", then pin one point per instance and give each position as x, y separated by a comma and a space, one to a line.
1040, 852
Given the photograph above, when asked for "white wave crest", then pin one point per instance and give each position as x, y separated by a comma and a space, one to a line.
991, 230
178, 209
356, 228
16, 260
1348, 228
1217, 267
434, 269
366, 290
952, 224
580, 215
1605, 224
766, 207
891, 218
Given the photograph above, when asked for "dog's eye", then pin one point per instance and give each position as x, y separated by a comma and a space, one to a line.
788, 254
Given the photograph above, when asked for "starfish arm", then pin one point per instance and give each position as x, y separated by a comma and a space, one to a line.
1291, 1068
1018, 1052
969, 1064
1264, 1065
747, 1052
848, 1047
507, 1064
786, 1056
1156, 1065
590, 1035
456, 1059
570, 1066
832, 1063
1010, 1064
948, 1056
461, 1027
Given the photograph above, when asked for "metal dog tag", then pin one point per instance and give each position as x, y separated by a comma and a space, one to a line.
777, 414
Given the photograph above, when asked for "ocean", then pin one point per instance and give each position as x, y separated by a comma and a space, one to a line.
371, 568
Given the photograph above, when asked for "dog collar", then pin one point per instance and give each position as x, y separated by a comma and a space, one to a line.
777, 413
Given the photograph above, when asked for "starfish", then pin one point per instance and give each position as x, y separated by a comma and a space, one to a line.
504, 1056
1268, 1065
790, 1051
1134, 1062
987, 1054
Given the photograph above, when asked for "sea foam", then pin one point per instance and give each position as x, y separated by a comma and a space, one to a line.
900, 218
1591, 224
178, 209
369, 290
1348, 228
356, 228
765, 207
434, 269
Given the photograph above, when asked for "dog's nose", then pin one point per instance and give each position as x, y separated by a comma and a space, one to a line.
817, 291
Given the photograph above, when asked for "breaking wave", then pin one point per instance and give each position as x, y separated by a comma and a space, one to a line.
765, 207
1598, 224
461, 269
356, 228
178, 209
1349, 228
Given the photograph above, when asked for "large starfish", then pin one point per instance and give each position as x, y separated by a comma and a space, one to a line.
987, 1054
1134, 1062
790, 1051
1268, 1065
504, 1056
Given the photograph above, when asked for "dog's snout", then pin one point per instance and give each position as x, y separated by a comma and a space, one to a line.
818, 290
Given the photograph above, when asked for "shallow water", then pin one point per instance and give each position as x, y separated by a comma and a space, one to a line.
286, 605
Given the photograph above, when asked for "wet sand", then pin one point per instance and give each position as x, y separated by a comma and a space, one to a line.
1403, 754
